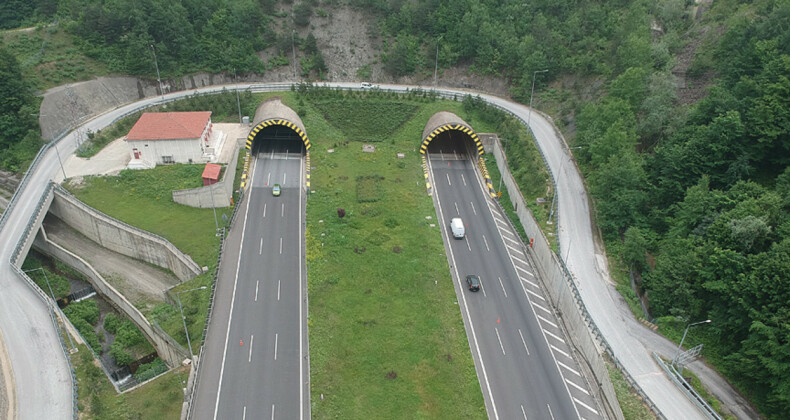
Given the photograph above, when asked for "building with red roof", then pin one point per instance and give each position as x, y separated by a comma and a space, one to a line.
171, 137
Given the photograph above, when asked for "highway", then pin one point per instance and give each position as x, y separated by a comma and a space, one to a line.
42, 381
524, 364
259, 373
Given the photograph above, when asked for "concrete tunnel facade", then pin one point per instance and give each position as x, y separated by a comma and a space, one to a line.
273, 112
444, 121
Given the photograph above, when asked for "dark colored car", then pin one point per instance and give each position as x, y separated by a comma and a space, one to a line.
473, 282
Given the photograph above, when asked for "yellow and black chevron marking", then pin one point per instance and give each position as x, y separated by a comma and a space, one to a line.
460, 127
307, 170
425, 169
244, 172
270, 122
482, 163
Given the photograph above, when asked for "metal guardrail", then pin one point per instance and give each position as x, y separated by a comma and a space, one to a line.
690, 392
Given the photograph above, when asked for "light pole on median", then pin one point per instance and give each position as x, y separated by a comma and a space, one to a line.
183, 320
529, 115
680, 346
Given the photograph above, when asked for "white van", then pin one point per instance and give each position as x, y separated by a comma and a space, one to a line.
366, 85
457, 227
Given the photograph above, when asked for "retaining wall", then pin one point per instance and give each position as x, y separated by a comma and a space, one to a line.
215, 195
120, 237
167, 349
556, 282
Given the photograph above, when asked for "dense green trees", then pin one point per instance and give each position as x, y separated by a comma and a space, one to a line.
19, 133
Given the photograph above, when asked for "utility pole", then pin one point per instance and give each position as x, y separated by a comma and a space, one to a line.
532, 94
158, 79
436, 62
238, 101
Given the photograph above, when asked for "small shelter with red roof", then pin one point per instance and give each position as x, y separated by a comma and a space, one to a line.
211, 174
172, 137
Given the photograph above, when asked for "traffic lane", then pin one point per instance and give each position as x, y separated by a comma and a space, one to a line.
252, 365
489, 259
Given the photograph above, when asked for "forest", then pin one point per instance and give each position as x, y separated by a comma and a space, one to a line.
693, 194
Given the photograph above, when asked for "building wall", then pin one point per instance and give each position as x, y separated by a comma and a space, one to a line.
181, 150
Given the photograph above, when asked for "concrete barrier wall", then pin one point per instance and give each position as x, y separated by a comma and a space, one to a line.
167, 349
215, 195
120, 237
556, 282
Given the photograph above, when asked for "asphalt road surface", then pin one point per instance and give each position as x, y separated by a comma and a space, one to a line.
523, 362
260, 374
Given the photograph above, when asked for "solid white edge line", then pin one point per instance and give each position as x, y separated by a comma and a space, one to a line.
466, 308
233, 298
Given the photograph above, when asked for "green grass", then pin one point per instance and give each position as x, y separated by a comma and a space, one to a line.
97, 399
365, 119
630, 402
50, 58
386, 336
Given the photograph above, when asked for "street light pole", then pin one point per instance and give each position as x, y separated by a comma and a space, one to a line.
183, 319
158, 79
677, 353
501, 175
529, 115
238, 101
293, 49
436, 62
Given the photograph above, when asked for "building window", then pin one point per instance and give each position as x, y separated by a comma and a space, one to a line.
168, 159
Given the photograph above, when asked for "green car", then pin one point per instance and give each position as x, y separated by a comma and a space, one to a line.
276, 190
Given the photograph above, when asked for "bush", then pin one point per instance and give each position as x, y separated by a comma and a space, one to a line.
87, 310
150, 370
119, 353
87, 332
128, 334
111, 323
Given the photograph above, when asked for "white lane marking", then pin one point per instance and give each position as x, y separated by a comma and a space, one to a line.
560, 351
550, 413
577, 387
268, 178
483, 288
531, 283
467, 243
264, 209
473, 208
456, 209
500, 221
272, 155
524, 270
492, 207
486, 242
284, 174
524, 413
260, 247
244, 413
536, 295
500, 340
520, 260
281, 245
518, 251
466, 309
448, 180
301, 337
272, 411
569, 368
540, 307
252, 339
584, 405
256, 289
463, 179
278, 290
503, 286
555, 336
282, 212
233, 299
548, 322
275, 345
523, 341
511, 240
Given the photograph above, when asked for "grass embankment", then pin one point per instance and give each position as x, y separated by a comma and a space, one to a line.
97, 399
386, 336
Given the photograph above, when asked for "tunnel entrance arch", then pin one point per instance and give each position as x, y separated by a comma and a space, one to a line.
449, 136
277, 129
